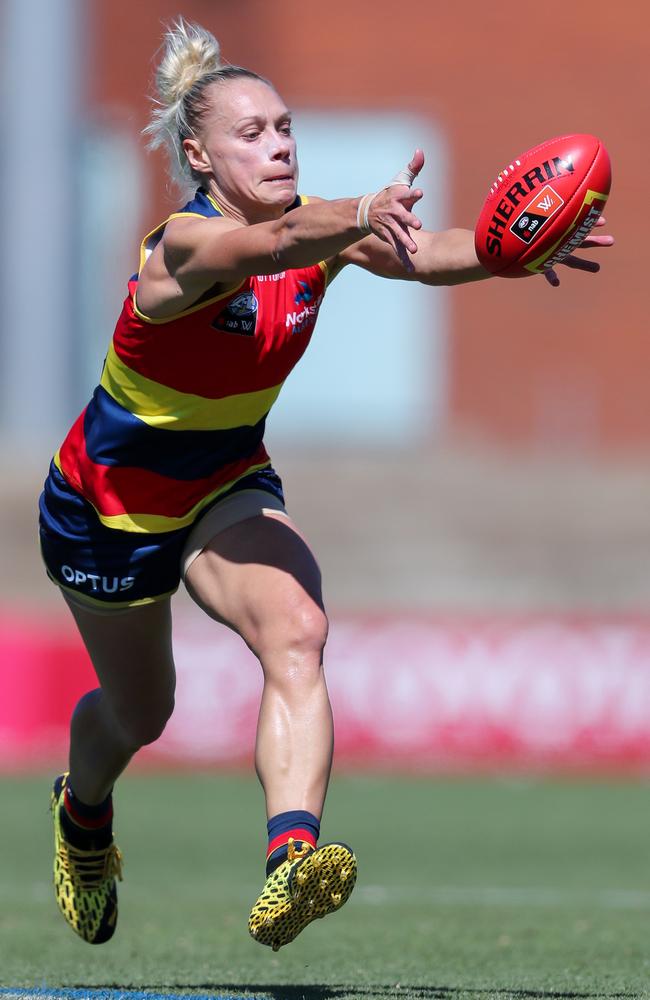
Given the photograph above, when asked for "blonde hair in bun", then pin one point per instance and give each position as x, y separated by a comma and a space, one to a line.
191, 52
191, 60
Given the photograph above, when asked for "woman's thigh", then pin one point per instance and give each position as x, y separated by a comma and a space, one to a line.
260, 577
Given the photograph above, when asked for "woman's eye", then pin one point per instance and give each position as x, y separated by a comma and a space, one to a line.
251, 135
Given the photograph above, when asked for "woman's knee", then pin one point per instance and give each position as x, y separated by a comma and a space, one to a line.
296, 635
141, 725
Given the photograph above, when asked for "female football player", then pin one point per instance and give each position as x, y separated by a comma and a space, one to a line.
165, 476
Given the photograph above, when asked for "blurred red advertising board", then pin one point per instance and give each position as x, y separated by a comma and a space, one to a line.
438, 693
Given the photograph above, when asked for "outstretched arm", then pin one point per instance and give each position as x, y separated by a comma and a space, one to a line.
445, 258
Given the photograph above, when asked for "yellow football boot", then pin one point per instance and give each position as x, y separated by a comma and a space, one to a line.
84, 881
308, 885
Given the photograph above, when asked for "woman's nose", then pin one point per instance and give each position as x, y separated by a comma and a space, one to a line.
281, 147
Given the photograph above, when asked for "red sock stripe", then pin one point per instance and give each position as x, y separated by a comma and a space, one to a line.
85, 821
306, 836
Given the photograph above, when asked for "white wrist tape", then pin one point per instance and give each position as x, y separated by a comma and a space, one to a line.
362, 212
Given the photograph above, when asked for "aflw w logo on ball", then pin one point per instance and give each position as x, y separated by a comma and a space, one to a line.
534, 216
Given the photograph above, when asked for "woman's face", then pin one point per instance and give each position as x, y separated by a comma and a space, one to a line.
248, 146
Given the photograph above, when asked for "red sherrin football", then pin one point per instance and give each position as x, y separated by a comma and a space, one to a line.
543, 205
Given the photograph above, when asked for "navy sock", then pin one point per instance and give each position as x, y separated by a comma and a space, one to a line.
303, 827
89, 827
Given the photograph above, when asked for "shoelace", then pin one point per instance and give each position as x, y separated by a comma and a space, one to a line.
87, 869
90, 869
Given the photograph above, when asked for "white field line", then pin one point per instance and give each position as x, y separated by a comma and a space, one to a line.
387, 895
102, 993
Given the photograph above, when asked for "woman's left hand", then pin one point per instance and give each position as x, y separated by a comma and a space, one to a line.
579, 263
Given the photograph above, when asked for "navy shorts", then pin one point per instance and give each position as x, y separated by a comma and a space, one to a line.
112, 568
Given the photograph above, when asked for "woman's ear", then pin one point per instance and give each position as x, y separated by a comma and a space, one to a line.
196, 156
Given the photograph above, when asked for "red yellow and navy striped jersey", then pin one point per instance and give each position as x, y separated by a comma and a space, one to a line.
179, 414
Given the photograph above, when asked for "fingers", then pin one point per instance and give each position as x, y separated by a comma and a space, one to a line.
410, 199
396, 233
409, 173
580, 264
417, 162
399, 236
411, 220
576, 264
399, 225
597, 241
390, 216
399, 201
406, 261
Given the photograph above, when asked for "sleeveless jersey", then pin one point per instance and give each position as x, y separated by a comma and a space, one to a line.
178, 417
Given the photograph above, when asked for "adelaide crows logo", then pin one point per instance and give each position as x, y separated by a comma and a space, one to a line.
239, 316
305, 293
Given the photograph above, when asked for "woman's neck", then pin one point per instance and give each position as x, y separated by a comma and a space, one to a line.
249, 214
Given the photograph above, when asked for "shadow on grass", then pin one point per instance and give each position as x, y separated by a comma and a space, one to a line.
277, 991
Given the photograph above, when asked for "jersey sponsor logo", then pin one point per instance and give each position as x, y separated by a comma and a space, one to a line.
239, 315
534, 216
302, 319
96, 583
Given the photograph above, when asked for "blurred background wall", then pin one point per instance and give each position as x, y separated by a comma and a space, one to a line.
512, 419
523, 365
478, 450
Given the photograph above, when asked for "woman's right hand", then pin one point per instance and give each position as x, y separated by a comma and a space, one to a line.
390, 215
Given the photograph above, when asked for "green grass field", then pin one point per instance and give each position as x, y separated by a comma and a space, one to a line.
467, 889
